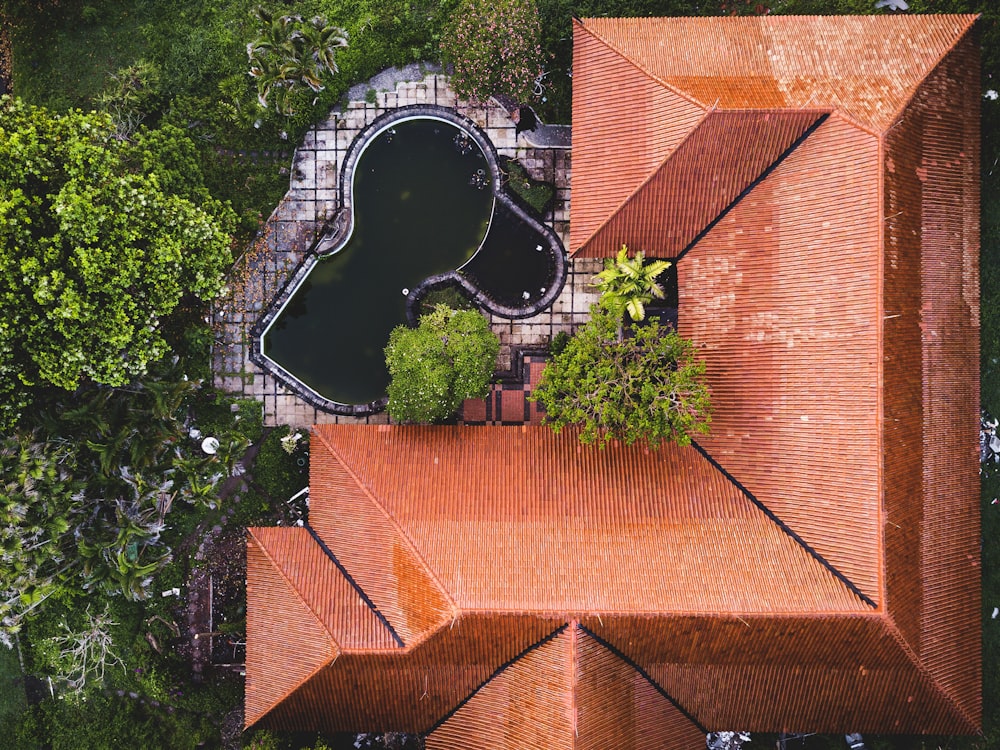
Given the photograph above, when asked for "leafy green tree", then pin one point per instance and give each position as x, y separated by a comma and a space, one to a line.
494, 47
449, 357
629, 284
100, 239
290, 53
647, 385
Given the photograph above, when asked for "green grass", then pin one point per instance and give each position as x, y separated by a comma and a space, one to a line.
534, 194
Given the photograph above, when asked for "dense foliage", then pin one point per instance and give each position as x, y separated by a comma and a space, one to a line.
291, 54
494, 47
99, 240
449, 357
647, 385
86, 498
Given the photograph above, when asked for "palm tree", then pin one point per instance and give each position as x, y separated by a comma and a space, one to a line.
290, 52
628, 284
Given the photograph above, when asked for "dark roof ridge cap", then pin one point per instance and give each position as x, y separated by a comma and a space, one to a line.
851, 586
295, 589
336, 648
403, 536
496, 673
355, 585
642, 673
821, 118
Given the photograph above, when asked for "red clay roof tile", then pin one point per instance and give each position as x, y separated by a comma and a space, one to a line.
719, 159
521, 519
782, 299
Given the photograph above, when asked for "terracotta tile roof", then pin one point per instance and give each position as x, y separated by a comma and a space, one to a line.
408, 689
581, 696
931, 303
543, 524
812, 564
719, 159
803, 673
782, 298
297, 639
615, 152
865, 66
370, 544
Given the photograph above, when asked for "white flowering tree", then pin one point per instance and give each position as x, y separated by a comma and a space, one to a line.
100, 239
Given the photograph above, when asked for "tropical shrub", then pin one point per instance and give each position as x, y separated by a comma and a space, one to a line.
449, 357
100, 238
494, 47
290, 54
629, 284
85, 499
646, 385
38, 507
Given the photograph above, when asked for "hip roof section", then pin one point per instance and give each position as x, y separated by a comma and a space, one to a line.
520, 519
782, 297
867, 67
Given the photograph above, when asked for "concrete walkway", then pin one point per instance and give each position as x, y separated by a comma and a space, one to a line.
314, 196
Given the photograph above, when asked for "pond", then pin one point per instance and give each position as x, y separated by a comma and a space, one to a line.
425, 210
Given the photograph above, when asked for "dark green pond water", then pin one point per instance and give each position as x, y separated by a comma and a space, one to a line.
418, 212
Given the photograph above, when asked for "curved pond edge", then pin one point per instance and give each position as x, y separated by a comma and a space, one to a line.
337, 231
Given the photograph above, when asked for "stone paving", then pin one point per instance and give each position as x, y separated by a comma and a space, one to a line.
313, 197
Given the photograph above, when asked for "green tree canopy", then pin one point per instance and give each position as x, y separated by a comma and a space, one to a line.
100, 238
646, 385
494, 47
449, 357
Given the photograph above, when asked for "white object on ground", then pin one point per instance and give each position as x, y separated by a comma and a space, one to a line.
210, 445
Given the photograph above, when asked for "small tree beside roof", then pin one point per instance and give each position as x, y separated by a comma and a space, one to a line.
629, 284
646, 385
449, 357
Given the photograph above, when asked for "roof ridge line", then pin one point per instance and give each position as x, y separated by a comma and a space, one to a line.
496, 673
823, 117
642, 69
970, 24
354, 584
787, 529
294, 588
821, 114
644, 674
295, 591
455, 609
890, 625
648, 179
